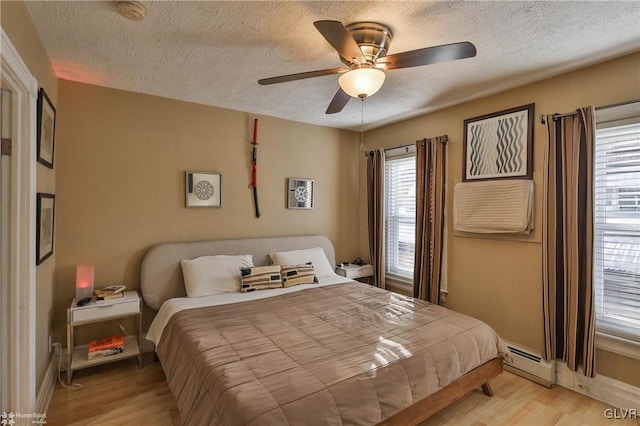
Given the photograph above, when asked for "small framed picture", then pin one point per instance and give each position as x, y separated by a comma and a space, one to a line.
46, 129
499, 145
45, 205
203, 189
300, 193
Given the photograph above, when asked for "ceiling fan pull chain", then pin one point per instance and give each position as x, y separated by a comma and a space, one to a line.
362, 147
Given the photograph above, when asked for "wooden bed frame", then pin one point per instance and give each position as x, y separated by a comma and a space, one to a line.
427, 407
161, 279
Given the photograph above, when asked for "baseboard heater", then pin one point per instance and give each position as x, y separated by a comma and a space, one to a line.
531, 366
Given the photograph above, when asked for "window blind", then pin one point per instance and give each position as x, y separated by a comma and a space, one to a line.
400, 215
617, 230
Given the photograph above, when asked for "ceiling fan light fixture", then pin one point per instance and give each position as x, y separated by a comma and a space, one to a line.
361, 82
131, 9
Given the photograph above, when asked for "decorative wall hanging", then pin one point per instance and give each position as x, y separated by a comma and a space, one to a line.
254, 167
499, 145
46, 129
204, 189
45, 212
300, 193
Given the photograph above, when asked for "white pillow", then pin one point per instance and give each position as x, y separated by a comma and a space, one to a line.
315, 255
207, 275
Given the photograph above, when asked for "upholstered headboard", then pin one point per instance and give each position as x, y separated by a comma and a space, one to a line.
161, 274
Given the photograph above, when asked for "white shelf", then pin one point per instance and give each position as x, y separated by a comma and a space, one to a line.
81, 360
104, 309
354, 271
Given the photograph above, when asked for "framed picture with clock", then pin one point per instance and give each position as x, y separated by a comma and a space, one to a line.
204, 189
300, 193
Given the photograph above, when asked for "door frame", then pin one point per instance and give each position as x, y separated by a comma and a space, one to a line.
18, 293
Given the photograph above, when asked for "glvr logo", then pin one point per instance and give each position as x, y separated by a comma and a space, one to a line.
621, 413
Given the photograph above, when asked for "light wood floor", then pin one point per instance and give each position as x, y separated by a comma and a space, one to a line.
122, 394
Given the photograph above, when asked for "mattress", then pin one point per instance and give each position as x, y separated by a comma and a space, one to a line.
339, 352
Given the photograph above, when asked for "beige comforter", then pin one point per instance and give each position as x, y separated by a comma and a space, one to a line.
340, 354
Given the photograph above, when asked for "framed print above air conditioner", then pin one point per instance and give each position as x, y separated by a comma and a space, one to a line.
499, 145
300, 193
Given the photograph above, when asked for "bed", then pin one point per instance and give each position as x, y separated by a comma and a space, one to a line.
333, 352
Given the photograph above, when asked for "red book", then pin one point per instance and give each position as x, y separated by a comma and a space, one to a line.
105, 347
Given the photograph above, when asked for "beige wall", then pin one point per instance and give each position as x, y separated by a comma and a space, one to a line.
119, 175
121, 159
16, 22
499, 279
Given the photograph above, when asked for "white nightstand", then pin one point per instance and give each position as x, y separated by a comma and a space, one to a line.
126, 306
356, 272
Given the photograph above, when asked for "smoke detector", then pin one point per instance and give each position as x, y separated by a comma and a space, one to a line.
131, 9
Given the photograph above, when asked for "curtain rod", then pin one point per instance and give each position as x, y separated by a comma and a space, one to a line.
445, 139
543, 119
409, 145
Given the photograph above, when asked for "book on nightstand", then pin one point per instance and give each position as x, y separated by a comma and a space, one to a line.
111, 292
106, 346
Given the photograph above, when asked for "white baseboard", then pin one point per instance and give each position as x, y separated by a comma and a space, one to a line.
47, 386
605, 389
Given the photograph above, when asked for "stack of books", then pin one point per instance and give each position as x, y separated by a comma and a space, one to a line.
106, 346
111, 292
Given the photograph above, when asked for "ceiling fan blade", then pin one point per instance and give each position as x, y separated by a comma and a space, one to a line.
300, 76
429, 55
341, 39
338, 102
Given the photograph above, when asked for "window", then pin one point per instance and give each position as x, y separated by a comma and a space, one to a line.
400, 212
617, 227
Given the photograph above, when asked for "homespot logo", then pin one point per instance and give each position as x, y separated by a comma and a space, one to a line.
9, 418
621, 413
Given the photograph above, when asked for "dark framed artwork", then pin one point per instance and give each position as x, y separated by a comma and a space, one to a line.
300, 193
46, 129
45, 216
499, 145
203, 189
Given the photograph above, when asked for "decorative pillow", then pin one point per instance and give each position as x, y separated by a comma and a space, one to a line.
260, 278
298, 274
299, 257
207, 275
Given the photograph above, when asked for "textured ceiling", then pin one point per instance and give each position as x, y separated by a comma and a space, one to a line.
213, 53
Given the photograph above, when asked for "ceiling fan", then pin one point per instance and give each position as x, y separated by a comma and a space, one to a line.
363, 47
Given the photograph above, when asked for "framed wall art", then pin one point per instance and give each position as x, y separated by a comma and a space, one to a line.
46, 134
45, 212
300, 193
203, 189
499, 145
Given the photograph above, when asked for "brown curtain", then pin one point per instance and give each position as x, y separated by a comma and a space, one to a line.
375, 200
430, 197
567, 246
